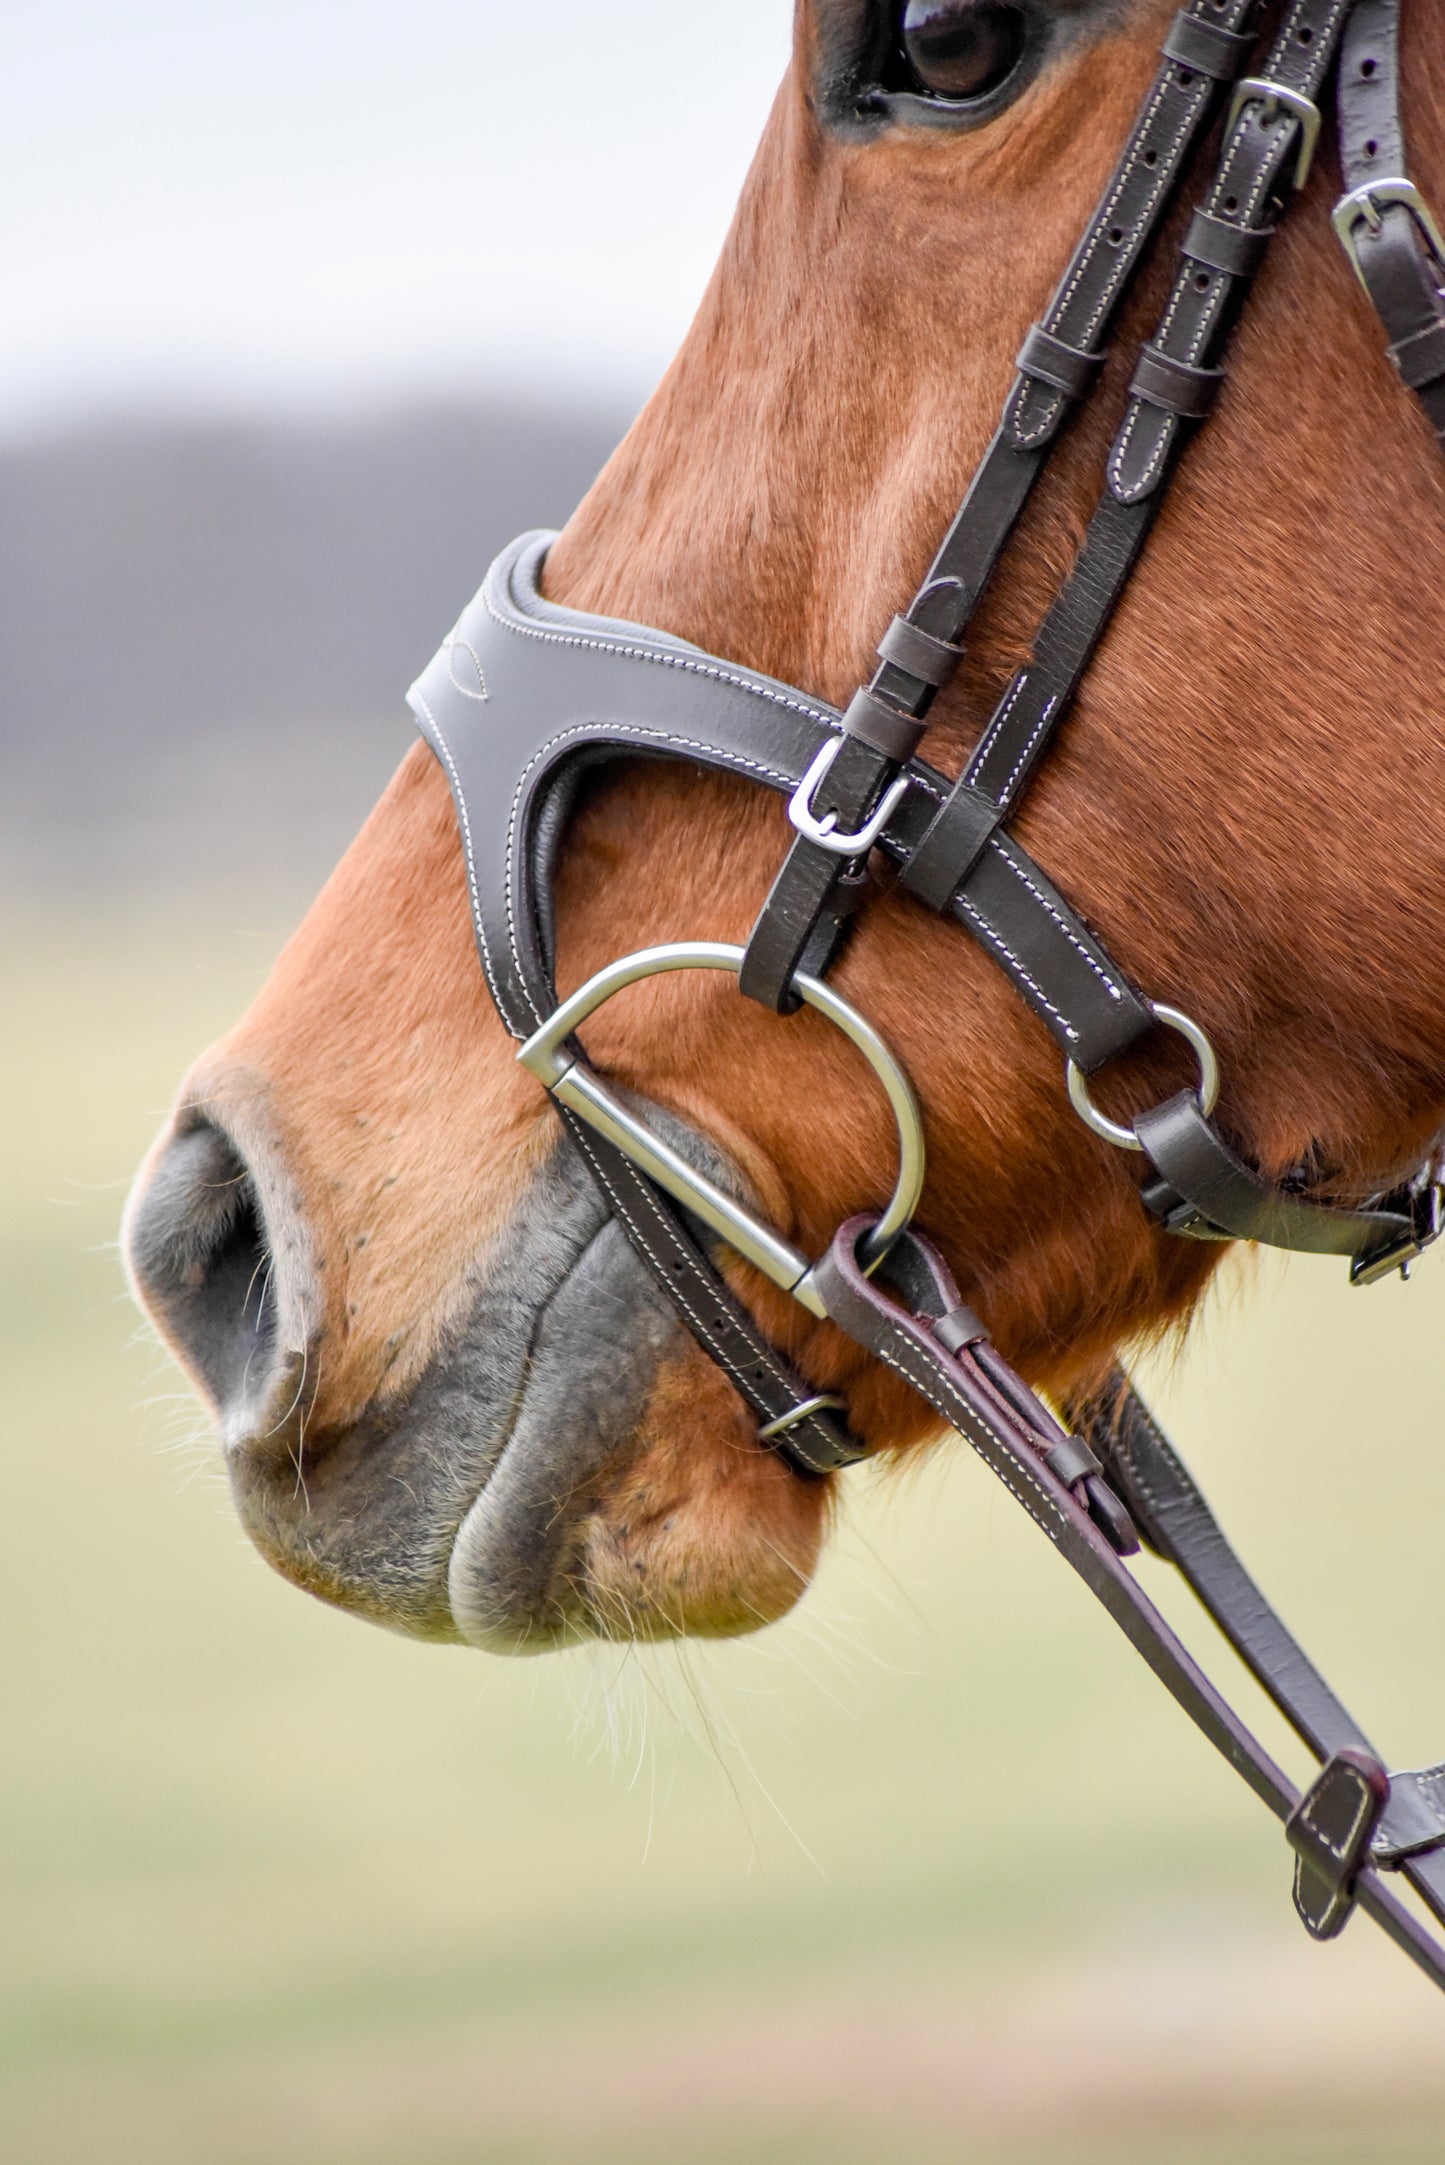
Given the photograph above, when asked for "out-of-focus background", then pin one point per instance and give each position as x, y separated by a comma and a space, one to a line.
310, 308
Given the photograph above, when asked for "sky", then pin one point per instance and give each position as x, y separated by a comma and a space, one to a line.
340, 201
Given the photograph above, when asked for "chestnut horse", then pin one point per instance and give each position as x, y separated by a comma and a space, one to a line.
451, 1399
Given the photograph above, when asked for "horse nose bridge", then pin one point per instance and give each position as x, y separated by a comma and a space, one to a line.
219, 1254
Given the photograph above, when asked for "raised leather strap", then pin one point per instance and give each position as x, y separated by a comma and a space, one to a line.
1207, 1192
796, 919
1178, 386
1049, 360
975, 1392
1385, 225
1206, 47
816, 1443
916, 651
1258, 167
1221, 245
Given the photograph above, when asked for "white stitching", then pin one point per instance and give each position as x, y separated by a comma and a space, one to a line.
1115, 991
1167, 423
615, 733
987, 932
956, 1400
991, 734
464, 822
1126, 172
526, 630
761, 1349
1025, 755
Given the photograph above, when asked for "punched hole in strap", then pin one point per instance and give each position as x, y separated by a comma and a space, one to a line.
1177, 386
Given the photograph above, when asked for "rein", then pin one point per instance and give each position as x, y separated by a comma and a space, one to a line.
525, 695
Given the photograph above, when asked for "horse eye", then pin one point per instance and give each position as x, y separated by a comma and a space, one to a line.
962, 48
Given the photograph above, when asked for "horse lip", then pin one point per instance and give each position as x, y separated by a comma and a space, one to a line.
590, 1368
509, 1582
453, 1512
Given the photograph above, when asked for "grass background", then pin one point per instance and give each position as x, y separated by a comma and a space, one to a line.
932, 1871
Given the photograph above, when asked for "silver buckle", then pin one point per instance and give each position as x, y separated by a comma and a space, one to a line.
574, 1084
1365, 204
824, 831
1276, 98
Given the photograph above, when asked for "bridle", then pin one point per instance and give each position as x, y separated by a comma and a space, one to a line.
525, 695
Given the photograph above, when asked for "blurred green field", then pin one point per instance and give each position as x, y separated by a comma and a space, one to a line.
931, 1872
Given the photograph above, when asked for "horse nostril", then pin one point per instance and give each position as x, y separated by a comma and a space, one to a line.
199, 1252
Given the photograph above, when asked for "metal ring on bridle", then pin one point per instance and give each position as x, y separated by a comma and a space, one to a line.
573, 1084
1113, 1131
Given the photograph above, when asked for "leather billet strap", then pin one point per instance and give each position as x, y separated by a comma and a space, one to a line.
1176, 1522
1389, 235
1205, 1191
1206, 47
972, 1390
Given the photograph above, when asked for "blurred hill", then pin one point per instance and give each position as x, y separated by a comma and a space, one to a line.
207, 628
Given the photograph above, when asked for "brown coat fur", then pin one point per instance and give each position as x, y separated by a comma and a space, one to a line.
1248, 802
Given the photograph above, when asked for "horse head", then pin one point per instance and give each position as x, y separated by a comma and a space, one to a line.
451, 1397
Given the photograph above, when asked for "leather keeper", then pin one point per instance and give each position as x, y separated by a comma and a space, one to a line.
1206, 48
1071, 1460
874, 722
1177, 386
1238, 251
1421, 357
1047, 359
906, 646
956, 839
959, 1328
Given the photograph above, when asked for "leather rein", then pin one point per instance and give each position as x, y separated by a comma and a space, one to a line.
525, 695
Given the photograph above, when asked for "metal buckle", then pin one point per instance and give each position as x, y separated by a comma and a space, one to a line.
1367, 203
1424, 1206
574, 1084
1113, 1131
1276, 97
824, 1402
824, 831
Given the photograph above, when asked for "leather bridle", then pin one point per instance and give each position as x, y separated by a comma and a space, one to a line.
525, 695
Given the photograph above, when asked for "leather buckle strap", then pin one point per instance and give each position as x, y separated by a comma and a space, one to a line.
1277, 98
1221, 245
1420, 356
878, 723
1365, 207
1330, 1831
1051, 360
907, 646
1206, 48
960, 832
1178, 386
